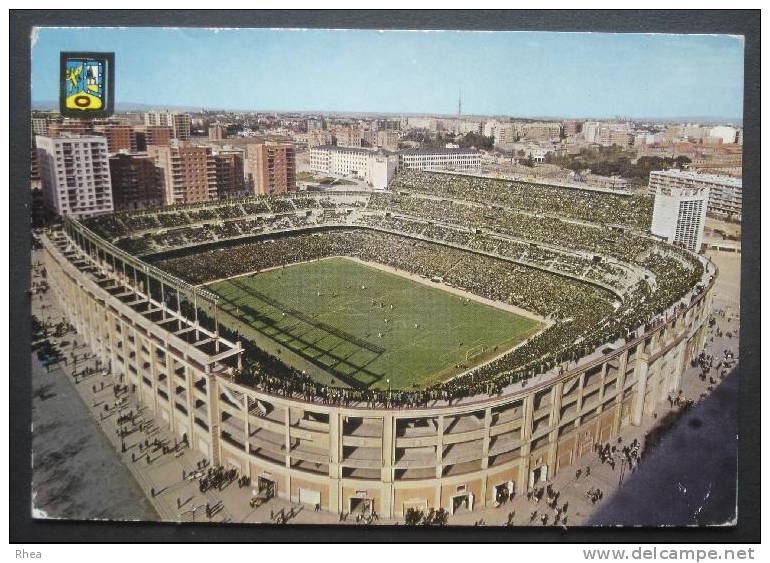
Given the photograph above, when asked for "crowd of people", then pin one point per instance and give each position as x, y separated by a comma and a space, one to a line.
591, 205
217, 477
119, 225
586, 235
432, 517
583, 316
513, 256
554, 513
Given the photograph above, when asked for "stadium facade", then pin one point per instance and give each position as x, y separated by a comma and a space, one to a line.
451, 454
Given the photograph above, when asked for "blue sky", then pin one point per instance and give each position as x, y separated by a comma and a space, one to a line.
500, 73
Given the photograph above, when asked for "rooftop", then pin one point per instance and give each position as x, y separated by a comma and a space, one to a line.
690, 175
438, 151
352, 150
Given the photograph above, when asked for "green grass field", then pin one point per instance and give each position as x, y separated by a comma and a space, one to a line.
364, 326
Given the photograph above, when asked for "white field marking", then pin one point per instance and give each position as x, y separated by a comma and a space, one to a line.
419, 279
414, 277
457, 291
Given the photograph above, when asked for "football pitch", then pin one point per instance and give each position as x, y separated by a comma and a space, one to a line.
366, 327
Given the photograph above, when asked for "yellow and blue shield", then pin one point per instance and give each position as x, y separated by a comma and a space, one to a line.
86, 84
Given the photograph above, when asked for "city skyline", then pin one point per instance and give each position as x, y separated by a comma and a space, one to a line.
363, 71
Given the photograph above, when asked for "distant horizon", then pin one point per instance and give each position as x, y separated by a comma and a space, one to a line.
51, 105
531, 75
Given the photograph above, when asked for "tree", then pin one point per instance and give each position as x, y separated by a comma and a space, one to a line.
477, 140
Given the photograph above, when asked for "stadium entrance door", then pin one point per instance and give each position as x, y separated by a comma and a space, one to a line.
538, 475
266, 487
360, 505
504, 492
462, 503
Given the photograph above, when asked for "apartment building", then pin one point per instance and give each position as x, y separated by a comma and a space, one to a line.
458, 160
679, 215
180, 123
187, 173
725, 200
135, 182
158, 135
217, 132
75, 174
374, 167
119, 138
229, 173
348, 136
271, 167
542, 131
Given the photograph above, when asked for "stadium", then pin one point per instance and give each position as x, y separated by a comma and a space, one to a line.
437, 345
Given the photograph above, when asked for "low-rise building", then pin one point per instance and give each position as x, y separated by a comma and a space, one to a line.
348, 136
571, 127
388, 139
725, 199
457, 160
374, 167
217, 132
542, 131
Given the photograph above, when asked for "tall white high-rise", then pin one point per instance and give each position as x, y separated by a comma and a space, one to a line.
679, 215
75, 173
590, 131
180, 123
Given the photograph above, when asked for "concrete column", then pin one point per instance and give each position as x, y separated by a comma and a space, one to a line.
191, 428
619, 384
529, 416
486, 439
642, 367
171, 393
581, 383
675, 383
388, 459
112, 341
482, 502
439, 460
556, 396
335, 455
287, 435
526, 433
153, 380
553, 435
212, 404
246, 429
439, 445
602, 379
522, 480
